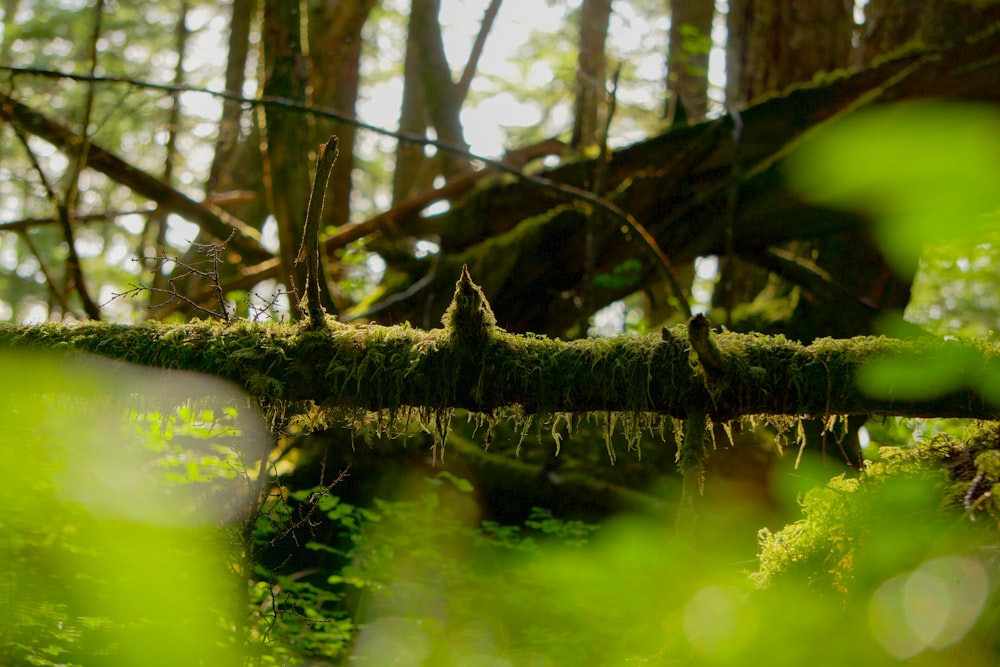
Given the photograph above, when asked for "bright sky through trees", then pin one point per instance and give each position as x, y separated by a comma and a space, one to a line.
629, 32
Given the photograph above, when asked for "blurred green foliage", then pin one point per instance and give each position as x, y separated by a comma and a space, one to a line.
927, 170
102, 565
112, 553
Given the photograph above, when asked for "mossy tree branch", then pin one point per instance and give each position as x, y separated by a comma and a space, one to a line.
473, 364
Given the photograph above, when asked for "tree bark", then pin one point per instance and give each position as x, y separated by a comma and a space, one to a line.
334, 71
778, 43
236, 178
889, 24
410, 157
687, 58
775, 43
287, 145
431, 98
590, 71
229, 124
441, 98
154, 236
286, 135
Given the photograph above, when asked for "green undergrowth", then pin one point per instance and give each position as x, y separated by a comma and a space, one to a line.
418, 582
900, 559
932, 494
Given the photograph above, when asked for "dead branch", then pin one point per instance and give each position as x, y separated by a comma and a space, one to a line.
213, 220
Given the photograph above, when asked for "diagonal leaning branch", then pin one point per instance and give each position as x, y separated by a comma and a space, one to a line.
472, 364
213, 220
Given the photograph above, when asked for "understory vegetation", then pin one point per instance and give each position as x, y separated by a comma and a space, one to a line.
656, 334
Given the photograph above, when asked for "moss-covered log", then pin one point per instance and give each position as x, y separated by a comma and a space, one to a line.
473, 364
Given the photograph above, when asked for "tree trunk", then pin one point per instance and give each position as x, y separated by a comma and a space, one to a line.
229, 125
154, 235
334, 57
590, 71
687, 58
287, 143
775, 43
890, 24
431, 98
236, 178
413, 119
441, 97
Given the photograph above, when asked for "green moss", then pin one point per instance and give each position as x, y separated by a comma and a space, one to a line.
911, 504
852, 525
632, 384
470, 315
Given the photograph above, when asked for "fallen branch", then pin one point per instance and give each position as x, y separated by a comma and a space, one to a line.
472, 364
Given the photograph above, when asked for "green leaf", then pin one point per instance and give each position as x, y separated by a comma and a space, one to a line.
463, 485
927, 171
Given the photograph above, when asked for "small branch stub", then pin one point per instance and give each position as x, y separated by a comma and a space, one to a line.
711, 358
469, 317
469, 322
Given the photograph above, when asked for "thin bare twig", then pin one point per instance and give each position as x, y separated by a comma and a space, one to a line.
269, 306
106, 216
214, 256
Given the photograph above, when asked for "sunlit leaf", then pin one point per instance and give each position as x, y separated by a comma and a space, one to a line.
926, 171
